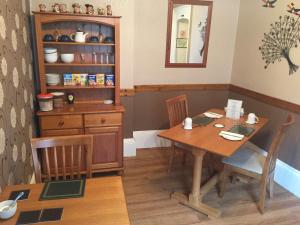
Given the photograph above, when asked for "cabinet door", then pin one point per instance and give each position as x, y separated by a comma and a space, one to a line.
108, 147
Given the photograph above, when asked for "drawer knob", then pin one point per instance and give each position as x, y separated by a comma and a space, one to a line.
103, 120
61, 123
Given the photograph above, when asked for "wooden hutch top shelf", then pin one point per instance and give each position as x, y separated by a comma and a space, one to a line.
73, 14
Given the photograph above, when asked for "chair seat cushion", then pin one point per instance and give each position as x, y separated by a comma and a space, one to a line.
247, 158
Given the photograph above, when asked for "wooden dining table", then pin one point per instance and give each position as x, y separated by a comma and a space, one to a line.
103, 203
203, 139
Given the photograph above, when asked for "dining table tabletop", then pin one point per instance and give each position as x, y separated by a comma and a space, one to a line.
103, 203
207, 139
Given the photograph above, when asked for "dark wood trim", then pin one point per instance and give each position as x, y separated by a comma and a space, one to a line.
179, 87
127, 92
266, 99
172, 87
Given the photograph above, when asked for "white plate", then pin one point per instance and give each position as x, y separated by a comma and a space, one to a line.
231, 138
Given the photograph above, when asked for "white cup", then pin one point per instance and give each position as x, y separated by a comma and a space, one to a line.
188, 123
252, 118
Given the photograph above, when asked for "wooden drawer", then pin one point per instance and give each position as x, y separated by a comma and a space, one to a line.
103, 120
61, 122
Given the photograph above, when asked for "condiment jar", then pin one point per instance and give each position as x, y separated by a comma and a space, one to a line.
45, 102
58, 99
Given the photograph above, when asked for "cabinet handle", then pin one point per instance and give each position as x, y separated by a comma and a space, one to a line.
103, 120
61, 123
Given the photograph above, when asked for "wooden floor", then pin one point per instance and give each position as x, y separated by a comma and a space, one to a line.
148, 187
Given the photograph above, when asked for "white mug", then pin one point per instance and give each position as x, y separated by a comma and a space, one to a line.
188, 123
252, 119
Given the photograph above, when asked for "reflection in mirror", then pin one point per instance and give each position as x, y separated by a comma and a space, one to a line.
188, 33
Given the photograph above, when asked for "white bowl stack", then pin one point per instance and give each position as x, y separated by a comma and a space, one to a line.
52, 79
67, 57
51, 55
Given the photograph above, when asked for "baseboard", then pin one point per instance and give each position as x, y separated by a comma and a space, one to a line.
149, 139
129, 147
32, 180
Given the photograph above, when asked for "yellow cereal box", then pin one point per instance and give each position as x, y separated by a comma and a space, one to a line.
100, 79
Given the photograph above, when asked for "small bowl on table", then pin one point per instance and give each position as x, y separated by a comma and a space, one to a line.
67, 57
6, 214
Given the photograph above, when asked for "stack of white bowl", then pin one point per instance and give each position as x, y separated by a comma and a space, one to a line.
52, 79
50, 55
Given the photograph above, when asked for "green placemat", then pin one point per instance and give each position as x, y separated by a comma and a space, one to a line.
63, 189
240, 129
202, 120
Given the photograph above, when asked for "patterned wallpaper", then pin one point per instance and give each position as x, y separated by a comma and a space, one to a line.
16, 93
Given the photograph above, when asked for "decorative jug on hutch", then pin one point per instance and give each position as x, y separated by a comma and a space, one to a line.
79, 36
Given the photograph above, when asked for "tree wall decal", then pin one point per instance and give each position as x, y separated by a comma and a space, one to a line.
283, 35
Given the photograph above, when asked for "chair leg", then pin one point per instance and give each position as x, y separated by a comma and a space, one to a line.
211, 168
271, 186
223, 179
262, 195
171, 158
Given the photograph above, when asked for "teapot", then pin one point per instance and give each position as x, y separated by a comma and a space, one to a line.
79, 36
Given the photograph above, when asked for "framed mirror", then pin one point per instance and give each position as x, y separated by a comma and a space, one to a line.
188, 33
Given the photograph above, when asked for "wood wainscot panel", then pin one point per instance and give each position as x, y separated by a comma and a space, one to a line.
266, 99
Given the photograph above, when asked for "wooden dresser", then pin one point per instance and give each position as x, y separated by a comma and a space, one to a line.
89, 114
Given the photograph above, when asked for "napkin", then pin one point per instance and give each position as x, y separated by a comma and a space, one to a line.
232, 134
213, 115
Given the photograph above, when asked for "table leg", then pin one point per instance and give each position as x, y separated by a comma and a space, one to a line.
195, 197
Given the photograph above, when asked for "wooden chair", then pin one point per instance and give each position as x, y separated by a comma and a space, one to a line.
59, 156
177, 112
250, 162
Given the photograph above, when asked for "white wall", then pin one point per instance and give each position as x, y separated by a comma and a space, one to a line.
143, 42
248, 70
150, 45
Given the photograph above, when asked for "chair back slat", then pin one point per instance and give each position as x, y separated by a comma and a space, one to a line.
64, 162
72, 162
55, 163
273, 153
177, 109
79, 161
59, 156
47, 163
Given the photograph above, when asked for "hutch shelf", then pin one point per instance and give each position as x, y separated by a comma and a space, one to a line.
88, 114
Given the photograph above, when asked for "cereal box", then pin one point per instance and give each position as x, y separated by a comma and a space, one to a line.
110, 80
92, 80
68, 79
100, 79
83, 79
77, 79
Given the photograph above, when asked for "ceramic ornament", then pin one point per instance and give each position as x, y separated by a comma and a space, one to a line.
292, 9
269, 3
282, 37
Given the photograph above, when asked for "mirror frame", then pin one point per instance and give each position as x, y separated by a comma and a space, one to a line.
168, 64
